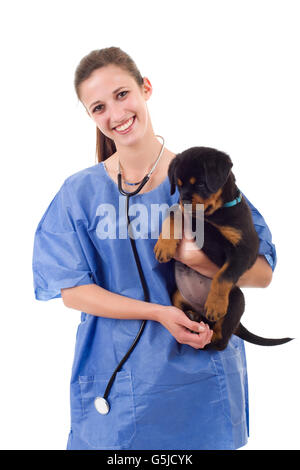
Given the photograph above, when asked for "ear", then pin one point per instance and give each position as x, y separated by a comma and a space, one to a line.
147, 88
172, 173
217, 168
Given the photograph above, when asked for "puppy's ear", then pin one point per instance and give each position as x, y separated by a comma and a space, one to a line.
172, 173
217, 168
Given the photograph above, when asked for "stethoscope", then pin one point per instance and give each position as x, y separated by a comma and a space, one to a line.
101, 403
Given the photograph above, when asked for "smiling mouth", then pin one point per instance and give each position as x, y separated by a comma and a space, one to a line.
124, 127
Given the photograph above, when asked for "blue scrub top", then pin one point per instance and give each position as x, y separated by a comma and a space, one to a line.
167, 395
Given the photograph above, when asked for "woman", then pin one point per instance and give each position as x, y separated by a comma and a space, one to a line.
169, 394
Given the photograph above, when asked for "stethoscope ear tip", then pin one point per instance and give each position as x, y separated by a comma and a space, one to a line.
101, 405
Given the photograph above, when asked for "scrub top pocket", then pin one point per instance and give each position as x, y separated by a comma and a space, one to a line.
232, 375
116, 429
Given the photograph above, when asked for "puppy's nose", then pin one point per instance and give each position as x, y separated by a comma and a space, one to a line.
185, 196
186, 201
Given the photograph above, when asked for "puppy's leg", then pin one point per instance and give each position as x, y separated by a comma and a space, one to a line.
225, 327
170, 237
218, 297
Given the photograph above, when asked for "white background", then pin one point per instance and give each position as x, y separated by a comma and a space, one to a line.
224, 74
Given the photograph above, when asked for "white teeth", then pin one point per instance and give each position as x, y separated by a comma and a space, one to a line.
125, 126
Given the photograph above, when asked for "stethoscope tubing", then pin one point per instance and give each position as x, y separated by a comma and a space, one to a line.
128, 195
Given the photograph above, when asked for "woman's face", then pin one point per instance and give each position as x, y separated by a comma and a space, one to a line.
117, 104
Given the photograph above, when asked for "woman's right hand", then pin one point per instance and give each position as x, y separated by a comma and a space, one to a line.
178, 324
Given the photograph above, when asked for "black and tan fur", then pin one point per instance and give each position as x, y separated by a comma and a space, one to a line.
203, 175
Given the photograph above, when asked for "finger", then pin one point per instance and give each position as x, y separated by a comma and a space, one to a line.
203, 328
203, 342
209, 336
191, 339
204, 339
197, 341
206, 335
194, 325
195, 346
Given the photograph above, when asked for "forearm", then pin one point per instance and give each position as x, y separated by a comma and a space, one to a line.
259, 275
95, 300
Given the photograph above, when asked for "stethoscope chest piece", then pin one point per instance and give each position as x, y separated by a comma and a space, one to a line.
101, 405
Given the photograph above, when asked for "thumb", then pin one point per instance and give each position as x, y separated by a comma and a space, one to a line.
193, 325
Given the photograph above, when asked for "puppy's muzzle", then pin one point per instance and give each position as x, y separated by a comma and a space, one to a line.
186, 201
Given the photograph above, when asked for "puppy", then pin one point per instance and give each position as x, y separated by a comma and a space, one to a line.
203, 176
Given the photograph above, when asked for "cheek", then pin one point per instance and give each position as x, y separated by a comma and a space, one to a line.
139, 107
144, 117
103, 127
102, 122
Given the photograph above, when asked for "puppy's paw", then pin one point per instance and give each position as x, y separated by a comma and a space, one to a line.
165, 249
215, 307
194, 316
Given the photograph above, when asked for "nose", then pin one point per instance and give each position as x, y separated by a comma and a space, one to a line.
117, 115
186, 201
186, 197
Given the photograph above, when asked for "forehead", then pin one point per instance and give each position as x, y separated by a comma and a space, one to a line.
102, 82
191, 169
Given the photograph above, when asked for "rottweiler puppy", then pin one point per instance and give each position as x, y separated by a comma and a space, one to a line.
203, 176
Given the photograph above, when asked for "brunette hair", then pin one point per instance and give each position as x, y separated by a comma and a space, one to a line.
105, 146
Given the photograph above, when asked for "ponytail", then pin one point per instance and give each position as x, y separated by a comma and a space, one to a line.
105, 146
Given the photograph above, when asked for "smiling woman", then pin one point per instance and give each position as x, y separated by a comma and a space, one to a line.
116, 107
126, 77
115, 97
98, 276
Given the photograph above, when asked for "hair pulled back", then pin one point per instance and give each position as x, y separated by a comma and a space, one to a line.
96, 59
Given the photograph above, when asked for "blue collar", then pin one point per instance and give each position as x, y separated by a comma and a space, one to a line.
234, 202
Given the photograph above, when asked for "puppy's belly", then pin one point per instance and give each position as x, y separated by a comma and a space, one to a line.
193, 286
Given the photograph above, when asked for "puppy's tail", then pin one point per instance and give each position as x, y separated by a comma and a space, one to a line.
246, 335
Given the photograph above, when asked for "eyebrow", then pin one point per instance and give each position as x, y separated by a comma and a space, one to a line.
99, 101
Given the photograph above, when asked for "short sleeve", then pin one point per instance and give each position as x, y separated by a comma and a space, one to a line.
266, 247
58, 258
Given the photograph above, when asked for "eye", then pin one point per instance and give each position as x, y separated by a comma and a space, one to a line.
121, 93
98, 108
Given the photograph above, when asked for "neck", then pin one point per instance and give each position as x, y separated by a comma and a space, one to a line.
138, 158
140, 154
